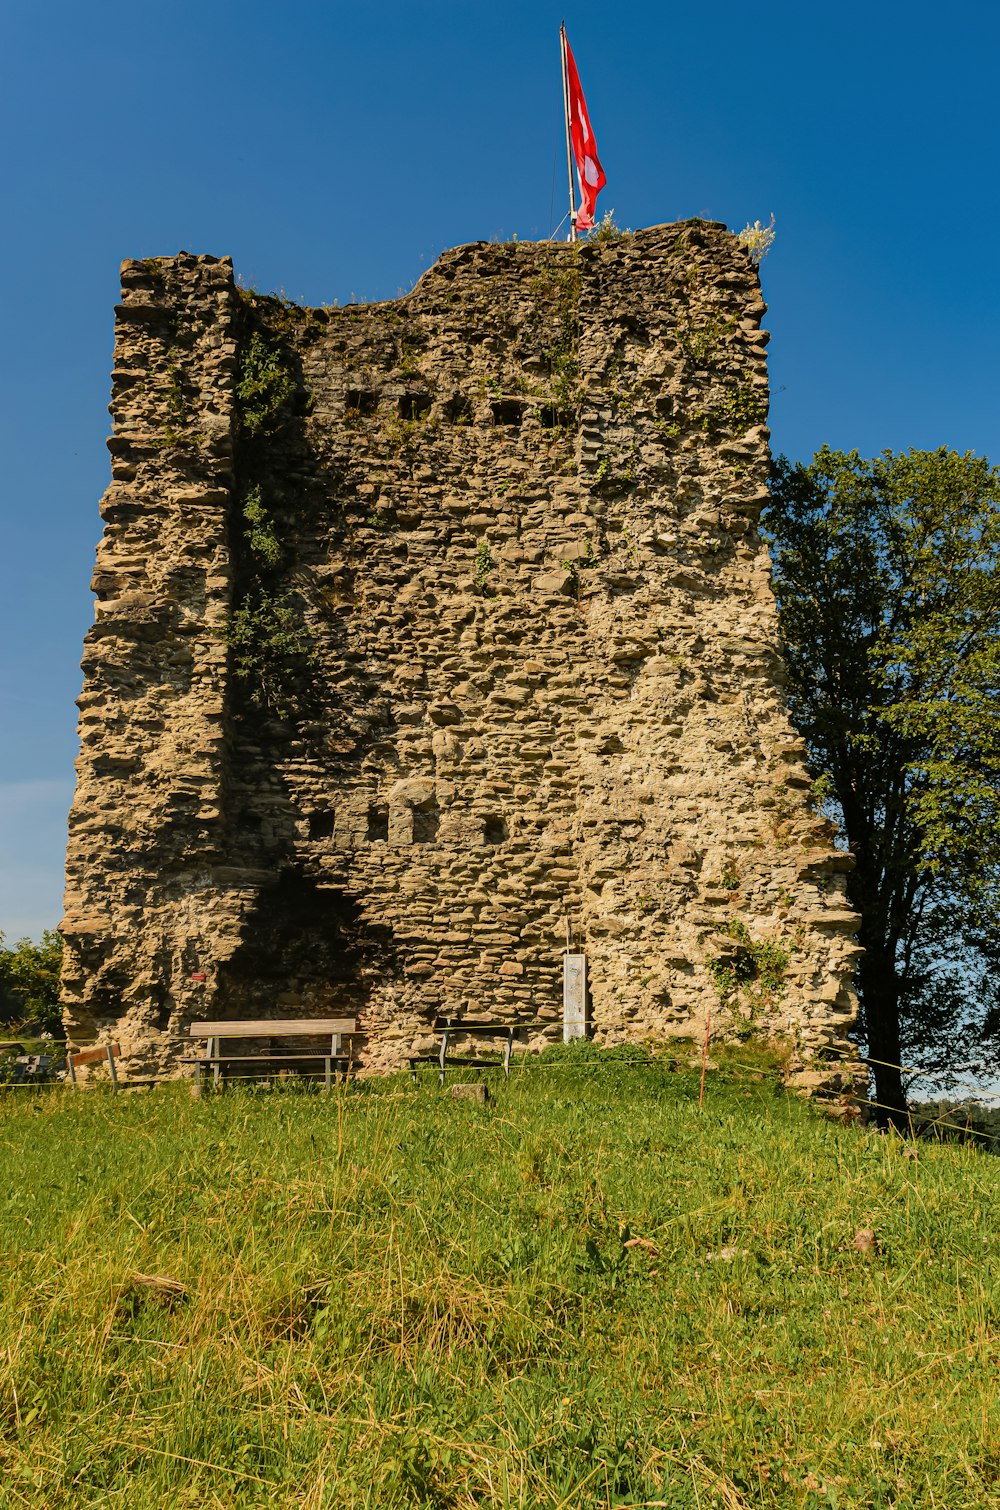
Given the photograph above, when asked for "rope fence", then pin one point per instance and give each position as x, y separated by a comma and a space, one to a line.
527, 1063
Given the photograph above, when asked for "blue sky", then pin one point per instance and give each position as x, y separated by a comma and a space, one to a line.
334, 149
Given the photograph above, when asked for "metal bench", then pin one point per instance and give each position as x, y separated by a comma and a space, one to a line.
215, 1034
452, 1027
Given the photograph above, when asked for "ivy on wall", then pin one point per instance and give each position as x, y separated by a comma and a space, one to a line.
267, 635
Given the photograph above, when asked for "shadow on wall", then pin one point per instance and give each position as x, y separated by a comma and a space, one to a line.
307, 949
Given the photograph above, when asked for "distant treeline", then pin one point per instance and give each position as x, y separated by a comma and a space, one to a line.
958, 1121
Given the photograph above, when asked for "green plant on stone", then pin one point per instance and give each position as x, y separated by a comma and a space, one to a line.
170, 439
700, 340
614, 474
631, 552
557, 286
265, 386
483, 564
754, 973
259, 529
404, 434
408, 366
572, 568
270, 648
176, 405
607, 231
757, 239
381, 520
743, 410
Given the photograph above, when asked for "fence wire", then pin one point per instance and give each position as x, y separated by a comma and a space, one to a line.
526, 1062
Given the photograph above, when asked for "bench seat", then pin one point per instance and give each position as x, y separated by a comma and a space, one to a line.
216, 1059
448, 1029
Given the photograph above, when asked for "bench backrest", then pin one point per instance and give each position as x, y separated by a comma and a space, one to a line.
265, 1027
98, 1055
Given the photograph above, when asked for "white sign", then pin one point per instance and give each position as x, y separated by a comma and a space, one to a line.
574, 996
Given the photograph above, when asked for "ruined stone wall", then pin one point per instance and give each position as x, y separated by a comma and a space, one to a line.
426, 627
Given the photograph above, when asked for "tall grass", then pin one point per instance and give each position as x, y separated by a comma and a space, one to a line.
584, 1294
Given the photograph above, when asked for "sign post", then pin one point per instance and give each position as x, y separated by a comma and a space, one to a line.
574, 996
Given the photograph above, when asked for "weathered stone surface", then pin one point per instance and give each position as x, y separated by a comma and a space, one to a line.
514, 511
470, 1092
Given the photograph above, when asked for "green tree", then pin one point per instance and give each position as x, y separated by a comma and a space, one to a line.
29, 982
887, 574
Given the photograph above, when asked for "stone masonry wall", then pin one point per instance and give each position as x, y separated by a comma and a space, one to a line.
427, 628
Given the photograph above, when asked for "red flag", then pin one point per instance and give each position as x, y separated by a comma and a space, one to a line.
588, 167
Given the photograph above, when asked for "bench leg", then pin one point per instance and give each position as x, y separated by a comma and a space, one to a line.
507, 1054
441, 1056
328, 1075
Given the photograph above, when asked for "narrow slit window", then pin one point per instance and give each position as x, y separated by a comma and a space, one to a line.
414, 405
363, 401
425, 825
507, 411
321, 825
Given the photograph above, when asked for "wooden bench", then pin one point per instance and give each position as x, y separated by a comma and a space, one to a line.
102, 1053
215, 1034
452, 1027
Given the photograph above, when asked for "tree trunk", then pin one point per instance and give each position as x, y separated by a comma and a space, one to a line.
878, 987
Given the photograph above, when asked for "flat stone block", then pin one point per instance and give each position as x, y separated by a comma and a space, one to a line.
470, 1092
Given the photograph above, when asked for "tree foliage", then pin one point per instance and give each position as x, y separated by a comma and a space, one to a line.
29, 981
887, 573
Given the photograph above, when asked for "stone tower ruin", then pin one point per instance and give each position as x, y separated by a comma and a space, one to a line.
426, 629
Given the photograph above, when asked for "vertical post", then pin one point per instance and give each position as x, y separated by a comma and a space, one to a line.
569, 140
71, 1061
704, 1056
574, 996
111, 1067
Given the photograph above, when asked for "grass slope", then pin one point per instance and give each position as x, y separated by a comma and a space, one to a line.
584, 1294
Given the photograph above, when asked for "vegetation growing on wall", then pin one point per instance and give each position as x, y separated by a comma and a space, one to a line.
270, 650
265, 387
752, 974
258, 529
484, 564
557, 285
267, 635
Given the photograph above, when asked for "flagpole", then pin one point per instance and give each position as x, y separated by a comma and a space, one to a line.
569, 144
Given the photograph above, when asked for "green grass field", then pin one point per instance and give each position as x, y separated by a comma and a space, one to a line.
584, 1294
